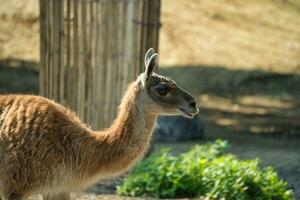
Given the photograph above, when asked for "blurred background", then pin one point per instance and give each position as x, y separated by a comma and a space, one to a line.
241, 59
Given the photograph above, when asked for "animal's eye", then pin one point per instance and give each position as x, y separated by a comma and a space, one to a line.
162, 89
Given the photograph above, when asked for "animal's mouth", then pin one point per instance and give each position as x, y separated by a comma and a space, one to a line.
187, 113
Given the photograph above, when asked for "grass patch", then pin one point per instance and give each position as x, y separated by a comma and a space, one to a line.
204, 171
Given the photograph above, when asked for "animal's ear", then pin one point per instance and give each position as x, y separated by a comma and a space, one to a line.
151, 64
148, 54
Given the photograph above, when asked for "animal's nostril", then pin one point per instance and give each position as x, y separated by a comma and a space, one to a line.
192, 104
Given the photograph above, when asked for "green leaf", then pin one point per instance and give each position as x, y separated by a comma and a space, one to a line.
204, 171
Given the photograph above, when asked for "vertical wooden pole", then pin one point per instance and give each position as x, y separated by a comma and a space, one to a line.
91, 50
74, 96
68, 56
43, 47
61, 65
96, 100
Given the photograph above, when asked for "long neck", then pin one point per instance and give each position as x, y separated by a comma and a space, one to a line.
133, 127
118, 147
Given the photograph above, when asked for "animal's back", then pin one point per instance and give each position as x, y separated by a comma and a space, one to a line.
33, 143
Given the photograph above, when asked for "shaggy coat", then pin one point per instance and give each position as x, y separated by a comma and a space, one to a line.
46, 148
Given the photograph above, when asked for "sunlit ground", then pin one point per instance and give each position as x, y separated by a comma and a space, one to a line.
247, 35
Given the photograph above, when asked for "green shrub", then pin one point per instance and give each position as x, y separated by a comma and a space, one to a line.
204, 171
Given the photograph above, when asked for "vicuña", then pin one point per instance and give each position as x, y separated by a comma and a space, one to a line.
46, 149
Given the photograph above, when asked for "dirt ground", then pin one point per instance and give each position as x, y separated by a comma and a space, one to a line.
245, 35
240, 58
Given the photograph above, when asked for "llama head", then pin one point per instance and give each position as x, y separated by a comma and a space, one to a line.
161, 94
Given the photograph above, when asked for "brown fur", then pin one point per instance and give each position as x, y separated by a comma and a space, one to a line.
43, 145
45, 148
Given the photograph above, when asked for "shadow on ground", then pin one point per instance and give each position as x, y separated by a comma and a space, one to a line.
256, 102
18, 76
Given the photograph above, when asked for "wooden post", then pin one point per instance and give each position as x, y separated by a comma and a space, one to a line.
91, 49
